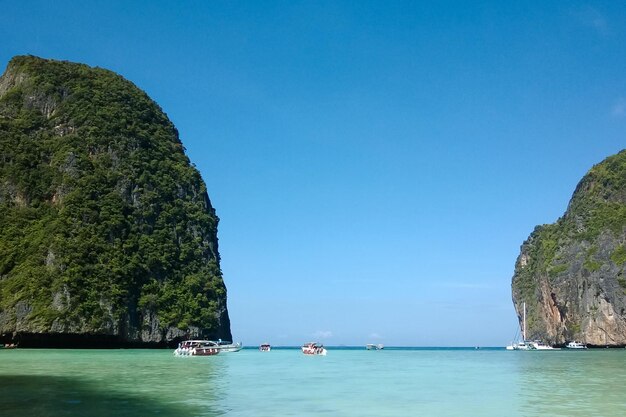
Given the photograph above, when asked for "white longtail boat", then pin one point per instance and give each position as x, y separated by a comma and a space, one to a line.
313, 348
197, 348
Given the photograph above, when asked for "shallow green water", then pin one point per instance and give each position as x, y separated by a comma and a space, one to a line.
347, 382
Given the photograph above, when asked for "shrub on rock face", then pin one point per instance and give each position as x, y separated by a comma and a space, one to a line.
105, 227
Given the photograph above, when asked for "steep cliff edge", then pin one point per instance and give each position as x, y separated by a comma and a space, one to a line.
572, 274
107, 234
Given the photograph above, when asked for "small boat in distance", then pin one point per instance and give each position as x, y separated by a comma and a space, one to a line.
197, 348
313, 348
265, 347
576, 345
371, 346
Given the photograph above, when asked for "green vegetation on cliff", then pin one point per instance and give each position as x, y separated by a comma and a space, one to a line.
104, 224
598, 205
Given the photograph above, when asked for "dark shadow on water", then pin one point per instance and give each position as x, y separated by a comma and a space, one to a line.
52, 396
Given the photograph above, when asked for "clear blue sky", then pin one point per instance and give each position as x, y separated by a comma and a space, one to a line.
375, 165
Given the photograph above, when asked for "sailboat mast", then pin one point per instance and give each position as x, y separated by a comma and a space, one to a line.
524, 323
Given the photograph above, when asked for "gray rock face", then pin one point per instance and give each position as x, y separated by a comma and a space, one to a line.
571, 274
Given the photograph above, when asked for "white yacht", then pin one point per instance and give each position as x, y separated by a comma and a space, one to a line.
576, 345
537, 345
521, 345
371, 346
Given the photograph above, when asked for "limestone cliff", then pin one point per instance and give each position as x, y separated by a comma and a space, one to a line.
572, 274
107, 234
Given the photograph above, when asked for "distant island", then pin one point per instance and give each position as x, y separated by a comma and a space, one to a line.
107, 234
572, 274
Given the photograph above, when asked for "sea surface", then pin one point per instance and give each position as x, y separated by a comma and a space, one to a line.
284, 382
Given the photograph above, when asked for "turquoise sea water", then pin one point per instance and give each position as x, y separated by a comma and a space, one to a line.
284, 382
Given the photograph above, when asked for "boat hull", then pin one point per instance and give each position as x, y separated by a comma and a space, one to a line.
196, 352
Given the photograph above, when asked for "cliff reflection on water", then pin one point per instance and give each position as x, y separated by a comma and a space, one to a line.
38, 395
120, 383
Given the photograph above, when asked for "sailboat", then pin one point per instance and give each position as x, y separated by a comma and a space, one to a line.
526, 344
521, 345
